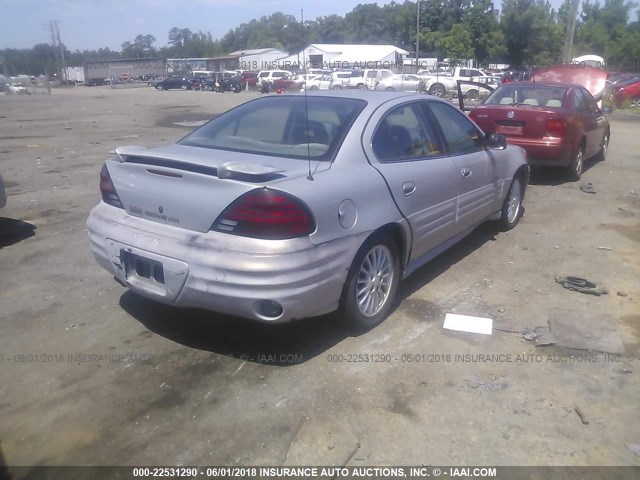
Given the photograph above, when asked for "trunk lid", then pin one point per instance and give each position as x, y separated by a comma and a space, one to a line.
189, 187
523, 121
592, 78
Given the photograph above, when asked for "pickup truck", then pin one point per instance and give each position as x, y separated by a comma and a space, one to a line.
440, 83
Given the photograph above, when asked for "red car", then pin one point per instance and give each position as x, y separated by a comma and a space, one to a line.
287, 84
250, 78
557, 124
628, 90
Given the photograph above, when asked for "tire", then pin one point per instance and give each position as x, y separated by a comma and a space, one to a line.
512, 209
377, 288
472, 94
336, 87
635, 102
437, 90
184, 88
604, 148
313, 87
577, 165
362, 86
389, 89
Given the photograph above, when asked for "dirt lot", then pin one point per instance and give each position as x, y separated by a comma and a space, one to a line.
92, 374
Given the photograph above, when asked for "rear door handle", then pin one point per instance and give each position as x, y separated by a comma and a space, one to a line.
465, 172
408, 188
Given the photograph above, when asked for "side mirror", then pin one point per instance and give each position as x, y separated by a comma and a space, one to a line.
607, 110
495, 141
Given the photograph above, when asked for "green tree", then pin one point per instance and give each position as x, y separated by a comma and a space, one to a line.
456, 44
141, 47
531, 33
482, 24
368, 24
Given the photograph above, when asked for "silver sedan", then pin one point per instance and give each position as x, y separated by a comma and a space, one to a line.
400, 82
291, 206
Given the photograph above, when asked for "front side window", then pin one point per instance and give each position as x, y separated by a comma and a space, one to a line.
403, 134
460, 135
293, 127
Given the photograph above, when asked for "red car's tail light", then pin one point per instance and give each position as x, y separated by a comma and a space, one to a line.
556, 128
108, 190
266, 214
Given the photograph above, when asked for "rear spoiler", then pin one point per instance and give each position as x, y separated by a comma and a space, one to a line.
233, 170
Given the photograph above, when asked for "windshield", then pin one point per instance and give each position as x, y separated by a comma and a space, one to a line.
532, 95
293, 127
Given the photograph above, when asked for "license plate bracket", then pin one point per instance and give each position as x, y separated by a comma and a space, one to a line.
141, 267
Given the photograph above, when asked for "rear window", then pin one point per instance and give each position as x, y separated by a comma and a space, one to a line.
532, 95
292, 127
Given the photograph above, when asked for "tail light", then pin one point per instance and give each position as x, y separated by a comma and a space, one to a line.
109, 194
556, 128
266, 214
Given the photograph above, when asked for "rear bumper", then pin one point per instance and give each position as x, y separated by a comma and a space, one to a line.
221, 272
541, 152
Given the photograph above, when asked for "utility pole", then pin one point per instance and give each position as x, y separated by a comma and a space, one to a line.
64, 63
571, 29
417, 33
55, 47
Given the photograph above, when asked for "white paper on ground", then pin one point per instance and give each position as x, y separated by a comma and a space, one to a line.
466, 323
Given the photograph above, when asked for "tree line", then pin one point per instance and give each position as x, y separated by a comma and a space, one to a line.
522, 32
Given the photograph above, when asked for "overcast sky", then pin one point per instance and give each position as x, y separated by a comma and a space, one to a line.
91, 24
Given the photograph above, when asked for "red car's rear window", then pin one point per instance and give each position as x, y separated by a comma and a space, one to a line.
533, 95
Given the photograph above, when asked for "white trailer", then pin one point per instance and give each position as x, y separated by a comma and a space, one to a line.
107, 71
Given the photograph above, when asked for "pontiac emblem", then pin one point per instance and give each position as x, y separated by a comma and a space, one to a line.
160, 209
510, 114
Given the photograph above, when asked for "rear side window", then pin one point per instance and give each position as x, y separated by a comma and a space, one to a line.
460, 135
592, 106
582, 105
404, 135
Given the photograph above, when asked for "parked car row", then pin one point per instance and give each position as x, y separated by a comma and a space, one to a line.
218, 82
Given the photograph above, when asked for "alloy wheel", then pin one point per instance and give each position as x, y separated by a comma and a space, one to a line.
374, 281
514, 202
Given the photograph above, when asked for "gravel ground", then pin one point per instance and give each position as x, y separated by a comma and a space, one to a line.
95, 375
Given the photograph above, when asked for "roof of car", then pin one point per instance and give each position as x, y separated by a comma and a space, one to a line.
540, 84
374, 98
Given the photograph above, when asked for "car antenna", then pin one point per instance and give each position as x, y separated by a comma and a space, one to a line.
306, 101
